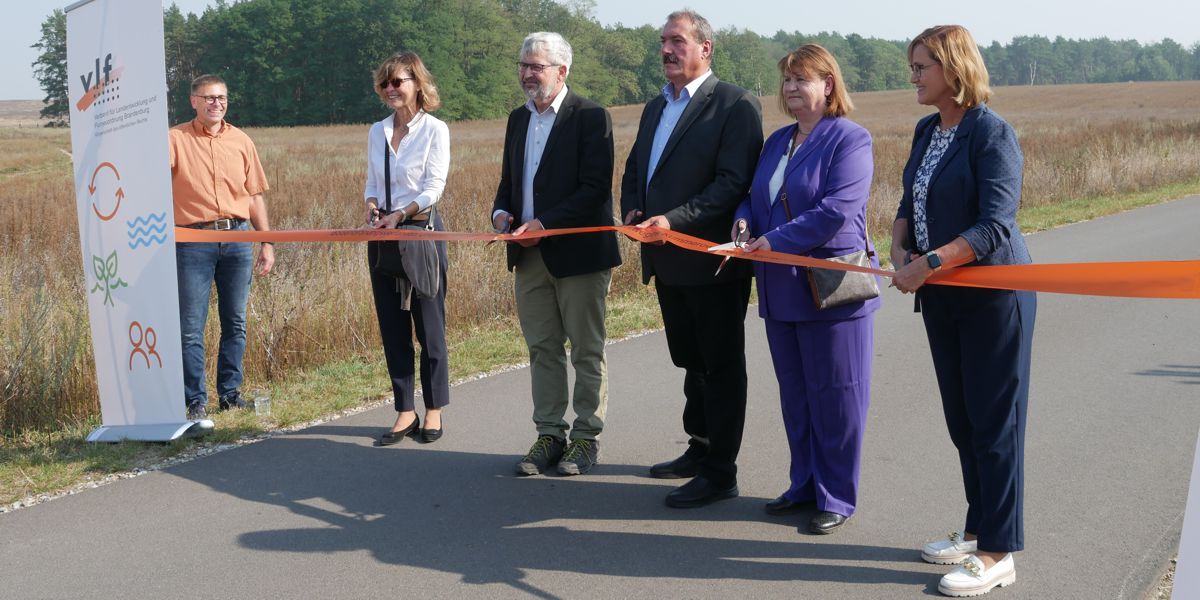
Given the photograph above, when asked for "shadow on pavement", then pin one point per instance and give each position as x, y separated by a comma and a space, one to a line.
1187, 371
460, 512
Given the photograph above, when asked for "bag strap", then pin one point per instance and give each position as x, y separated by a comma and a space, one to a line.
387, 172
787, 211
867, 238
387, 176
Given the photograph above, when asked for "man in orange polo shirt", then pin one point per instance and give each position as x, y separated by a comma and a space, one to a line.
218, 183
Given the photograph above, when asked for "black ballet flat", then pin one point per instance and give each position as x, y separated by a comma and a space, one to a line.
395, 437
429, 436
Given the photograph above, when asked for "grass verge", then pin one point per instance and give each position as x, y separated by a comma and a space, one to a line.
38, 465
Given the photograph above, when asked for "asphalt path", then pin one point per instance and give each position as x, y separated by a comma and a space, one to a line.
320, 513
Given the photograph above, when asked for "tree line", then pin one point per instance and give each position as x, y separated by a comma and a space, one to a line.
310, 62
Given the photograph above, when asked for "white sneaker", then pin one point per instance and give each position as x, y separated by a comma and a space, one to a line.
949, 551
970, 578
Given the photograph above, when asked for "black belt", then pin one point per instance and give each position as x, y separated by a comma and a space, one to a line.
219, 224
417, 218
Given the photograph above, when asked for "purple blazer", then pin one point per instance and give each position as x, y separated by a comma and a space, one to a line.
827, 181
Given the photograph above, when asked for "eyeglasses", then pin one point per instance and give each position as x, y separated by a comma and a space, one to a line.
535, 67
396, 83
213, 99
918, 70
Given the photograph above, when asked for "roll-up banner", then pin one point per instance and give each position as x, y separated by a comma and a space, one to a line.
117, 89
1187, 577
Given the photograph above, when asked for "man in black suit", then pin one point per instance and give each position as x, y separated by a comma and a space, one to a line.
557, 172
692, 163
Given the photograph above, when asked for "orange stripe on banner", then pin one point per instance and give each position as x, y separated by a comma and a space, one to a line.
1142, 279
88, 97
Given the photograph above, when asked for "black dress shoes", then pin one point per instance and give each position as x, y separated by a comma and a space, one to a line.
699, 492
783, 506
681, 468
395, 437
826, 522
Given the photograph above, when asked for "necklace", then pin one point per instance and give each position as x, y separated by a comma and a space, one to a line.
795, 145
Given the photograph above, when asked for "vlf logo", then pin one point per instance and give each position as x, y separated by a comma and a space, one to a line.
97, 83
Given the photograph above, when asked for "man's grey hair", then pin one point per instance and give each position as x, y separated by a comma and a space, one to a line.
701, 28
556, 49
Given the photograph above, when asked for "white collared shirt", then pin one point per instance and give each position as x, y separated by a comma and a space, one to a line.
776, 182
419, 167
670, 118
536, 137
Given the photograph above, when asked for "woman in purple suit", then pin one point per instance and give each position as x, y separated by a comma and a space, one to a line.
809, 197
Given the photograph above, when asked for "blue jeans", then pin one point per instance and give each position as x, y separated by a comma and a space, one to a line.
198, 265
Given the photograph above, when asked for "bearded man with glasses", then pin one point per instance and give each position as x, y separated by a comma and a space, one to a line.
557, 172
218, 183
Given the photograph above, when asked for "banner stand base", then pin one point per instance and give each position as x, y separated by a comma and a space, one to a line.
161, 432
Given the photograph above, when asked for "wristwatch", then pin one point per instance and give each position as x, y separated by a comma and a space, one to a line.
935, 262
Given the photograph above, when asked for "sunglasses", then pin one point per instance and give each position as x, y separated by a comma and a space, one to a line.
396, 83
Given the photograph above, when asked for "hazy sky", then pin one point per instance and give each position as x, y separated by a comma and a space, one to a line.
1000, 20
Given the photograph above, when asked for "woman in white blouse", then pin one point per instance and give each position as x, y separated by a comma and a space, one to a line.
408, 159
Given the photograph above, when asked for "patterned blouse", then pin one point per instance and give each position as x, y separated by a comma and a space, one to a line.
933, 154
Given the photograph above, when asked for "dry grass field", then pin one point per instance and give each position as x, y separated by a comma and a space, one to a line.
20, 113
1080, 141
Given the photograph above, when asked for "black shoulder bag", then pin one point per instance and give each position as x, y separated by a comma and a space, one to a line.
831, 287
413, 260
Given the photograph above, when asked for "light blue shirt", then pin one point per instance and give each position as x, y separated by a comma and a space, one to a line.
670, 118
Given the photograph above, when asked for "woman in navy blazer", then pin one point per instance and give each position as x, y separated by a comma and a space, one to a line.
962, 188
809, 197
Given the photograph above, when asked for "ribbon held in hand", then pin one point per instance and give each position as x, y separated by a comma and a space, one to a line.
1136, 279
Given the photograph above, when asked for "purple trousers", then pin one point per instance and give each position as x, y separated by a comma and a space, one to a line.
824, 373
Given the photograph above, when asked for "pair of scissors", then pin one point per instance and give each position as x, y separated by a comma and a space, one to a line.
738, 242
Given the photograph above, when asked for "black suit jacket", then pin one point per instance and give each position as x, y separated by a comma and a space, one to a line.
704, 173
572, 186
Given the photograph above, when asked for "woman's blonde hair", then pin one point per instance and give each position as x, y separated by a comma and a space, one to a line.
814, 61
396, 64
962, 65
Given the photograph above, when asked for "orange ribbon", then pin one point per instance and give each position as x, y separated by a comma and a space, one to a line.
1137, 279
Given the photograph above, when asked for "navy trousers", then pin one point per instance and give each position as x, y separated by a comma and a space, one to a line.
982, 341
824, 373
427, 316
